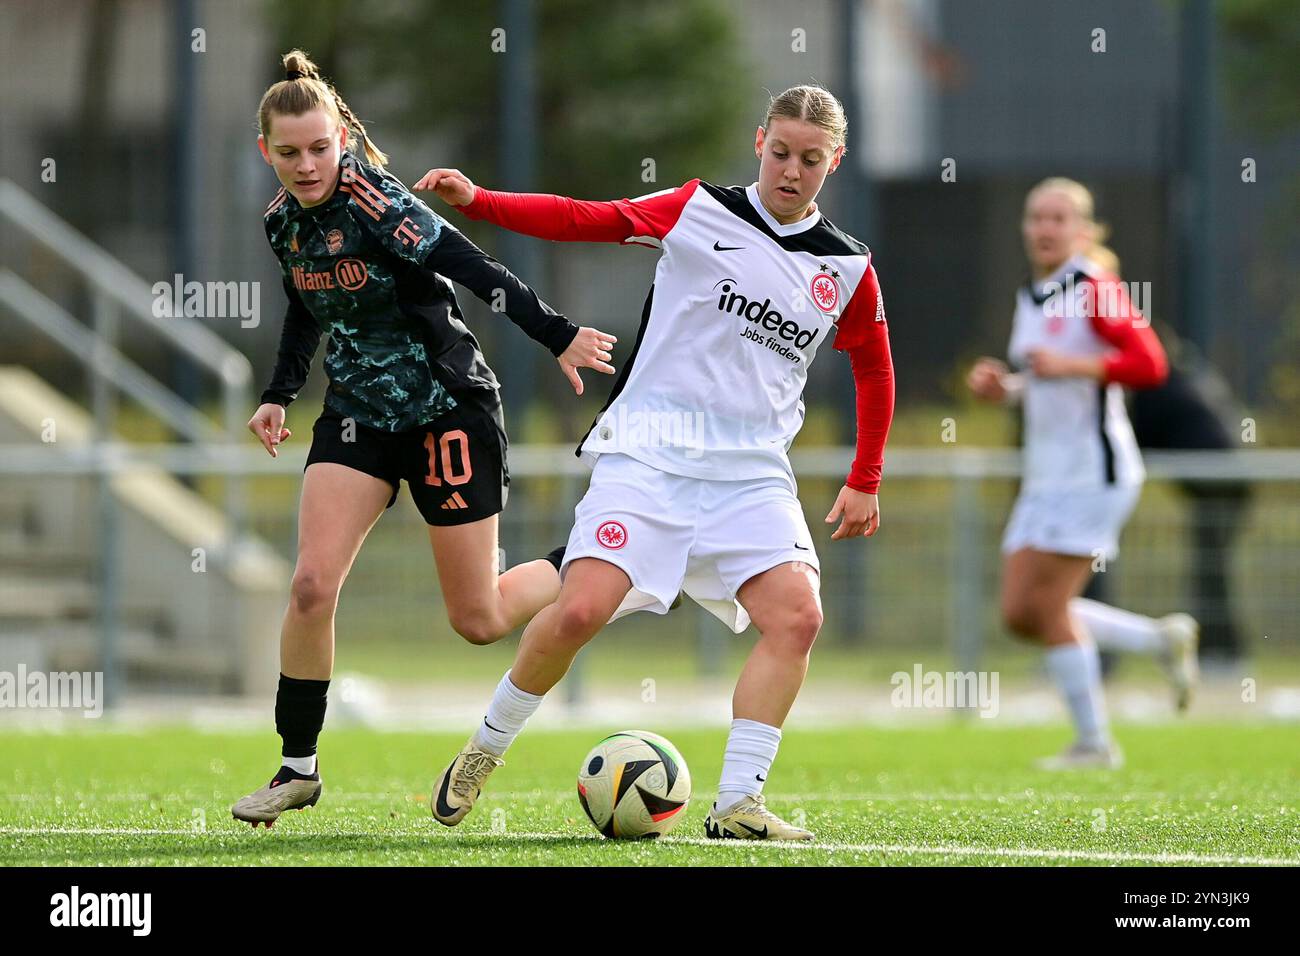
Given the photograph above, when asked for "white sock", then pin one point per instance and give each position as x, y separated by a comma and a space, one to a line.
506, 716
751, 748
303, 765
1076, 668
1118, 630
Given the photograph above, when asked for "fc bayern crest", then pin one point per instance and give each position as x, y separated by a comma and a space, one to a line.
825, 293
334, 241
611, 535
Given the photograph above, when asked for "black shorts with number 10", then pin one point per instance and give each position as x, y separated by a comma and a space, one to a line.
454, 466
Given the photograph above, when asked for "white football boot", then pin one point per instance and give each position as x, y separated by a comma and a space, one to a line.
461, 783
1182, 635
751, 820
1080, 756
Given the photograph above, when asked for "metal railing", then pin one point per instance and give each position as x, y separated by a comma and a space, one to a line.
934, 573
118, 295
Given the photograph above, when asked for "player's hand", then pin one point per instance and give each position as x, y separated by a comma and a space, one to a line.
987, 379
1048, 364
590, 348
860, 512
452, 186
267, 424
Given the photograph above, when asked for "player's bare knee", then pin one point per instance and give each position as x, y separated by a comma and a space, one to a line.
476, 627
578, 621
313, 594
1022, 619
797, 629
807, 624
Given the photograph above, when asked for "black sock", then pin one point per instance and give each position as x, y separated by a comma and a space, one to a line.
300, 714
556, 557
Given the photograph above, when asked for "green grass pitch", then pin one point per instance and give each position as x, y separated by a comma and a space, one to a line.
1192, 793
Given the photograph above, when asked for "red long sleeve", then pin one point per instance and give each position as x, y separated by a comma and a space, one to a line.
578, 220
864, 334
873, 376
1139, 360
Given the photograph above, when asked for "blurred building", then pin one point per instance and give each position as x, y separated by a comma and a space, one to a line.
1010, 92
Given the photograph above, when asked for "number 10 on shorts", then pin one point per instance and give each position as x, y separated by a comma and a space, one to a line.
440, 451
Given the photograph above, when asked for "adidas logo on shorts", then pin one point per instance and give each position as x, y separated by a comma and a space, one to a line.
454, 503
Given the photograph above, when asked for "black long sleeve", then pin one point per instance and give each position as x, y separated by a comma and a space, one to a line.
298, 342
465, 263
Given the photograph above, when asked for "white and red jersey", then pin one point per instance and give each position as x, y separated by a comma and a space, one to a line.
1077, 433
739, 307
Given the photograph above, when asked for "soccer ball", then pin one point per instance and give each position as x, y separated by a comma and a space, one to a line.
634, 785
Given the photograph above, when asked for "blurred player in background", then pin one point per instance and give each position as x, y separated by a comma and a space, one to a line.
1195, 409
410, 397
1077, 340
751, 281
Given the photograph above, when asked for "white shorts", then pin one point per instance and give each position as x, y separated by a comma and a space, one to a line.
1076, 522
670, 533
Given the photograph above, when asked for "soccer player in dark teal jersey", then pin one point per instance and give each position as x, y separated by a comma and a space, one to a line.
410, 397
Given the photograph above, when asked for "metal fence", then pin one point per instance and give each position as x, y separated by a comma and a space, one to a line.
928, 580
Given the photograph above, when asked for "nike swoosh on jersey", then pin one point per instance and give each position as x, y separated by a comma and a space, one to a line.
717, 247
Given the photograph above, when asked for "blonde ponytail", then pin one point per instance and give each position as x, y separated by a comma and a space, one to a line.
303, 90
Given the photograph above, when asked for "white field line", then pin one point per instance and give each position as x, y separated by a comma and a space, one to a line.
525, 795
1098, 856
90, 831
1094, 856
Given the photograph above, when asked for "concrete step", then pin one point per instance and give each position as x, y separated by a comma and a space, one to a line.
144, 658
36, 596
44, 559
44, 597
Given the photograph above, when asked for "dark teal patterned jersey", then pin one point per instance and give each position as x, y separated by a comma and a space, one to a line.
369, 266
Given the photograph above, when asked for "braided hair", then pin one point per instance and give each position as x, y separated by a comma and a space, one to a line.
303, 90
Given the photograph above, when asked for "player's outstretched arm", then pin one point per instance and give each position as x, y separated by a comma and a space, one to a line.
451, 186
542, 215
561, 218
460, 260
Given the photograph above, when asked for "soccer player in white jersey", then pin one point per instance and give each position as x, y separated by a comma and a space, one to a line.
691, 488
1077, 341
